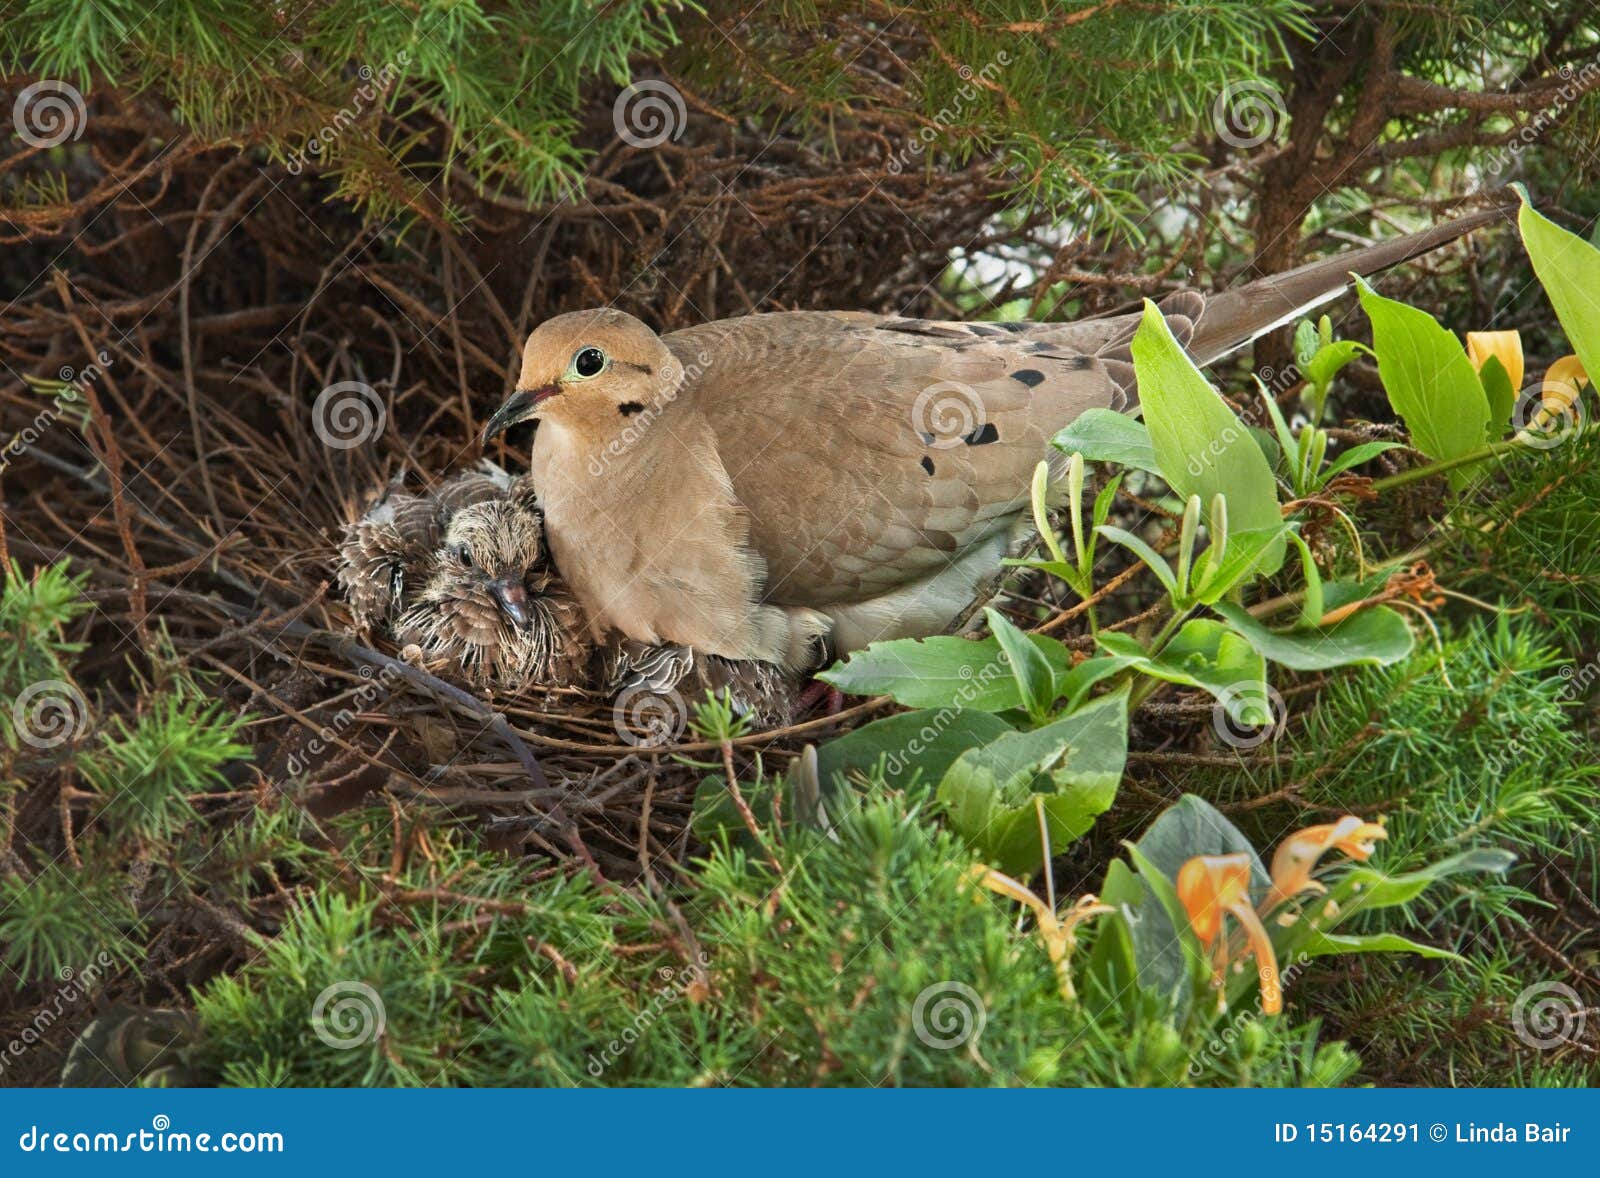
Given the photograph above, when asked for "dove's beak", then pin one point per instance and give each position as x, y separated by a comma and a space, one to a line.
519, 406
513, 598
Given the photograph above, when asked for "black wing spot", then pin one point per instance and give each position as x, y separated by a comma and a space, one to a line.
927, 464
629, 408
1019, 325
1028, 376
983, 435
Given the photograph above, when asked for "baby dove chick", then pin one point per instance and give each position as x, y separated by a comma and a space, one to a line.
383, 555
461, 573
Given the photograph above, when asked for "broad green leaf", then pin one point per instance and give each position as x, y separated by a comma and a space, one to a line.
1193, 826
1104, 435
1144, 927
1320, 944
1431, 383
913, 746
1208, 655
1201, 446
1496, 383
1174, 948
1355, 456
1377, 636
1569, 269
940, 672
1036, 680
1068, 770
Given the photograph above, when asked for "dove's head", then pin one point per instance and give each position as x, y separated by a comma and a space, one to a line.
591, 367
486, 558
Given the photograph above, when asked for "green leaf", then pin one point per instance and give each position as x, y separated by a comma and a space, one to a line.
1377, 636
1367, 887
1193, 826
912, 747
1321, 944
1431, 383
1112, 976
1311, 606
1201, 446
1569, 269
1036, 681
1104, 435
1208, 655
1328, 359
1496, 383
1067, 771
1074, 686
1152, 559
1149, 921
1355, 456
1247, 557
940, 672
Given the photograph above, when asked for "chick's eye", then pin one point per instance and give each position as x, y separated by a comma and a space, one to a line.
589, 362
464, 555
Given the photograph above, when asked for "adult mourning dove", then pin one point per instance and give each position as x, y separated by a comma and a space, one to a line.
788, 486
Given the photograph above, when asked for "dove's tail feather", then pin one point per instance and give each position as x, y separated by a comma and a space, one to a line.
1234, 318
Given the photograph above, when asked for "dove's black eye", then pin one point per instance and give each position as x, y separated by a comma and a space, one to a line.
464, 555
589, 362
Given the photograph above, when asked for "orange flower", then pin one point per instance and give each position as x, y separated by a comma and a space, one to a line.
1298, 855
1504, 346
1213, 886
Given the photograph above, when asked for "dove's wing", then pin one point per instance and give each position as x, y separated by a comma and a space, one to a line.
871, 452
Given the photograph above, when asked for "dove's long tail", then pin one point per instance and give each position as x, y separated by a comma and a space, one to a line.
1234, 318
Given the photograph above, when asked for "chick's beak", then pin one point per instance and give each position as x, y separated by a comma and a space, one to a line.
513, 598
519, 406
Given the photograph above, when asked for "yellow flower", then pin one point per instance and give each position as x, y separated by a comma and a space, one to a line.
1213, 886
1297, 856
1060, 934
1563, 382
1504, 346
